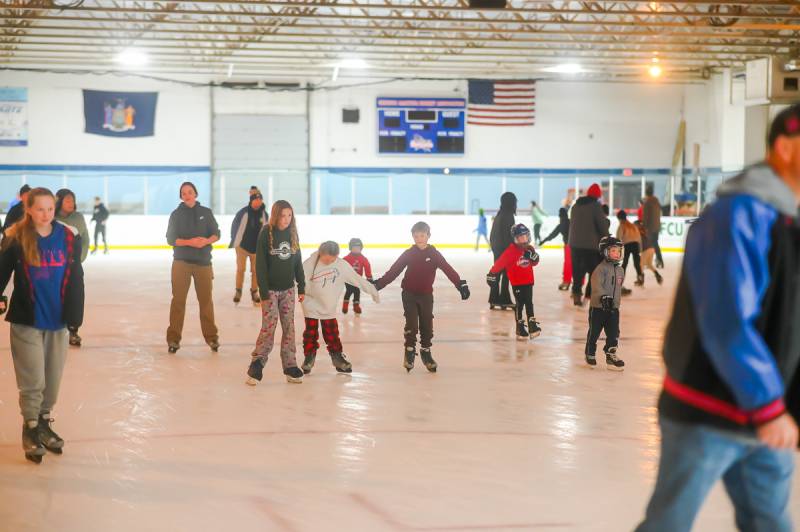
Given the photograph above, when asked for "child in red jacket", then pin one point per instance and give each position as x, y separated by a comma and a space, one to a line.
362, 267
518, 261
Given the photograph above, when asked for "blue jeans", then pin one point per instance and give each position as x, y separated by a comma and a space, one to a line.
694, 457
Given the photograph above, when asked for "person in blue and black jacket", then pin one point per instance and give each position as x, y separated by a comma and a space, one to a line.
731, 396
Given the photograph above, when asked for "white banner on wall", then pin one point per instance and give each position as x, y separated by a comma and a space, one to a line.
13, 116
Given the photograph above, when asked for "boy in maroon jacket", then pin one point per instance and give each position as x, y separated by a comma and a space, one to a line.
420, 262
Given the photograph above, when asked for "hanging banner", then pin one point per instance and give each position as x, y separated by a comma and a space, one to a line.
13, 116
120, 114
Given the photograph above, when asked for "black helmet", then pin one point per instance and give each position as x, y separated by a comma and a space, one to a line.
355, 242
608, 242
519, 230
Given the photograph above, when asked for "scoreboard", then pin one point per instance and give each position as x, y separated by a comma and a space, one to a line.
421, 125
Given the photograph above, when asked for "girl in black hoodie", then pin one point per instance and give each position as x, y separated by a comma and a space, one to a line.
500, 239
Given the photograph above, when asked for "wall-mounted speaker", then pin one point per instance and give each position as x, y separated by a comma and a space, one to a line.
350, 116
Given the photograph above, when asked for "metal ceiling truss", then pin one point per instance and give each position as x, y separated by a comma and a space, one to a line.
308, 38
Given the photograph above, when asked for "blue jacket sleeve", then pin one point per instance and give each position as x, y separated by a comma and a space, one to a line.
727, 270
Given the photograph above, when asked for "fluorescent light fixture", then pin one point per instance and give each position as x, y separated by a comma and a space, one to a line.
355, 63
655, 71
565, 68
230, 70
131, 57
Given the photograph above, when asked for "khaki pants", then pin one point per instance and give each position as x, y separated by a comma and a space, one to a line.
39, 358
241, 265
182, 275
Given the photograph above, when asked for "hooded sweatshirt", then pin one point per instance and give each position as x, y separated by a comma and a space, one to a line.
278, 266
588, 224
500, 236
325, 284
517, 267
186, 223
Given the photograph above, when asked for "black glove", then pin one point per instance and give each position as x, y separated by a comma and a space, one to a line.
607, 302
464, 289
531, 255
3, 304
491, 279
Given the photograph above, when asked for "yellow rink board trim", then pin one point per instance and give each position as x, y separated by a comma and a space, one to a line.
370, 246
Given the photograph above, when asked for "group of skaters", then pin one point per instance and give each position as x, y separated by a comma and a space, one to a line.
730, 397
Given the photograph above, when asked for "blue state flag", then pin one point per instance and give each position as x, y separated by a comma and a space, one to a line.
120, 114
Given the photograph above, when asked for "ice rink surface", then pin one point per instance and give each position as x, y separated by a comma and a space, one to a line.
508, 435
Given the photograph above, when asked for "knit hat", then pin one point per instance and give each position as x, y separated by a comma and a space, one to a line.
255, 196
595, 191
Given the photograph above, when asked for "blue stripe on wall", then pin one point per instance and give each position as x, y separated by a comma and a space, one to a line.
101, 168
617, 172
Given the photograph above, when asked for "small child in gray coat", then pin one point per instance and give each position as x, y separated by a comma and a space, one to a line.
606, 282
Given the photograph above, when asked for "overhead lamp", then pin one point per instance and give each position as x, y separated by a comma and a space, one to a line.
565, 68
131, 57
353, 63
655, 71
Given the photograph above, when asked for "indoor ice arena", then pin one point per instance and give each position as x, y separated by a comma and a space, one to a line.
399, 265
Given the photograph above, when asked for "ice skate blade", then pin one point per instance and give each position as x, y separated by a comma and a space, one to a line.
251, 381
35, 458
615, 368
294, 380
55, 450
535, 335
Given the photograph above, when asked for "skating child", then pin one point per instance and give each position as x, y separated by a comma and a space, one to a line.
278, 267
518, 261
606, 281
362, 266
482, 230
420, 262
326, 275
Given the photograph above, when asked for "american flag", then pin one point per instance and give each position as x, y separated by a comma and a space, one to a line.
501, 103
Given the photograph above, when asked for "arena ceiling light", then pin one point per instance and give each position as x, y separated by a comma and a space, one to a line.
565, 68
131, 58
655, 71
353, 63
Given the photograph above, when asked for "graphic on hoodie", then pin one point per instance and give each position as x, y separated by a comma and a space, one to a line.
283, 251
327, 276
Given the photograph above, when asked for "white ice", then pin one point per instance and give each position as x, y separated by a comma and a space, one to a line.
506, 436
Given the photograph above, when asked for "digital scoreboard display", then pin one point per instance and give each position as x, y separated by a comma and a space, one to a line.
421, 125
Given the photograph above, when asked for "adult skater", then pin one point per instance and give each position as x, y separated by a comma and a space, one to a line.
651, 218
538, 217
500, 239
562, 229
481, 230
17, 212
588, 224
44, 257
191, 232
731, 396
99, 217
67, 213
632, 240
245, 228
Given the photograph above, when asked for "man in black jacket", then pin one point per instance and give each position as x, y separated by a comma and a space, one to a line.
99, 217
588, 224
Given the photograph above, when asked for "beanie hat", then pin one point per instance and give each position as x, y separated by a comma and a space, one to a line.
255, 196
595, 191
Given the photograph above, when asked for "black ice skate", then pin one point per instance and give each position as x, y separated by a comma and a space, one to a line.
47, 436
34, 450
237, 296
173, 348
639, 280
408, 358
255, 372
255, 297
341, 363
591, 360
522, 332
659, 278
626, 291
293, 375
563, 287
214, 346
74, 339
533, 328
308, 363
577, 300
427, 359
612, 361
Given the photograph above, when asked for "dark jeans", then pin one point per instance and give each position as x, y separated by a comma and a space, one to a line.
100, 229
523, 294
354, 291
694, 457
599, 320
499, 294
653, 238
418, 310
584, 261
632, 249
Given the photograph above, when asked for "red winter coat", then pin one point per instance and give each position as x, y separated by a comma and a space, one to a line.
519, 269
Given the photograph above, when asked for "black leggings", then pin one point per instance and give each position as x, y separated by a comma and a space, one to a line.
632, 249
354, 291
523, 294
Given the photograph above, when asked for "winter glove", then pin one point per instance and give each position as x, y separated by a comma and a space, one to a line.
464, 289
3, 304
491, 279
531, 255
607, 302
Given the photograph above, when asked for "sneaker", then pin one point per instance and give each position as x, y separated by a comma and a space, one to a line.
427, 359
341, 363
564, 287
173, 348
293, 375
577, 300
522, 332
408, 358
345, 307
533, 328
74, 339
255, 372
255, 297
591, 360
237, 296
357, 308
626, 291
659, 278
308, 363
31, 444
613, 362
214, 346
47, 436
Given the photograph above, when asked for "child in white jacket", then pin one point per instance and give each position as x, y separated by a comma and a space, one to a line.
326, 275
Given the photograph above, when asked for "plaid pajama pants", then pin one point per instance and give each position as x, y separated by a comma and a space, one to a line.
330, 333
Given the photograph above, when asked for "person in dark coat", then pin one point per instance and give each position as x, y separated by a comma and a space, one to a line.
500, 239
562, 229
588, 224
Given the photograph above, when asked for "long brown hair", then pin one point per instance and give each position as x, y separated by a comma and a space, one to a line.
24, 231
275, 215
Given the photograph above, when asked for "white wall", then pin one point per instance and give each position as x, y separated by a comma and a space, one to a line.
578, 125
56, 124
